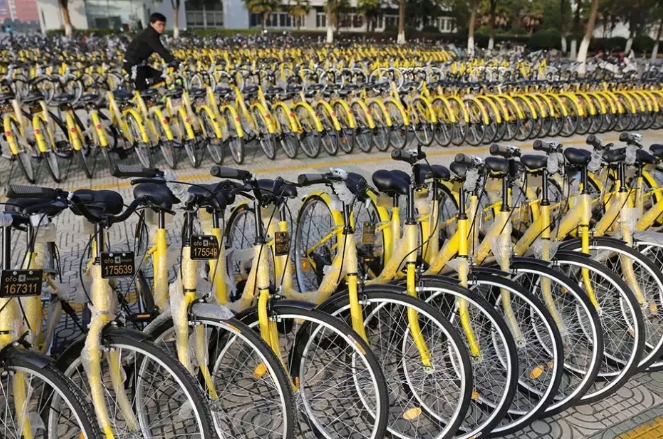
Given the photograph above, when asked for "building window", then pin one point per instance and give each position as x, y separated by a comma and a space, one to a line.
391, 21
207, 17
321, 20
275, 20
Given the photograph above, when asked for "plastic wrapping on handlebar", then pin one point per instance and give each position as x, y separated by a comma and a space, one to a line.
311, 179
223, 172
403, 156
20, 191
593, 141
128, 171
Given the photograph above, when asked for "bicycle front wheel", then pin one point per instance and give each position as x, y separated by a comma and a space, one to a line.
163, 395
53, 406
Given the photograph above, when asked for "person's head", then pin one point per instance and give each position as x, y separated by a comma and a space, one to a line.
158, 22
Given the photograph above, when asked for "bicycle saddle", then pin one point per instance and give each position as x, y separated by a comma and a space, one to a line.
271, 91
122, 96
157, 194
149, 93
222, 195
437, 172
224, 91
577, 157
86, 99
294, 88
656, 150
99, 203
497, 165
6, 96
34, 96
174, 93
276, 188
612, 156
459, 169
534, 162
645, 158
314, 87
197, 93
250, 90
65, 98
391, 182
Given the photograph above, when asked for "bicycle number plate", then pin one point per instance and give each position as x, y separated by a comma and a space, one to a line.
204, 247
20, 283
368, 233
281, 243
117, 264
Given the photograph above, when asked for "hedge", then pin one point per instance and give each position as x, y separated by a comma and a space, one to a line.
545, 40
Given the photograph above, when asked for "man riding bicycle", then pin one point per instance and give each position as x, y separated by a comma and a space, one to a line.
140, 49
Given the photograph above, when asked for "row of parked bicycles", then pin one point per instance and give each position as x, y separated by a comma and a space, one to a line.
435, 302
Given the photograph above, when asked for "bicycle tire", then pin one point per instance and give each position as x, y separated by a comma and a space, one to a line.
439, 422
290, 315
165, 146
129, 341
228, 331
19, 361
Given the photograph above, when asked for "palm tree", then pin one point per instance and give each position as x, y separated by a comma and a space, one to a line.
263, 7
584, 46
299, 10
64, 8
372, 10
333, 9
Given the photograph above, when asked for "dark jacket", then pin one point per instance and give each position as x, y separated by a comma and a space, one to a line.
145, 44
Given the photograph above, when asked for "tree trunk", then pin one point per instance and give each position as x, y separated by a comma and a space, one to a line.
176, 10
654, 52
491, 41
629, 42
64, 8
564, 47
264, 20
584, 46
574, 49
401, 23
330, 29
470, 31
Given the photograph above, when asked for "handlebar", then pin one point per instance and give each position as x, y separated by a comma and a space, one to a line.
232, 173
508, 152
631, 139
467, 160
547, 147
128, 171
42, 193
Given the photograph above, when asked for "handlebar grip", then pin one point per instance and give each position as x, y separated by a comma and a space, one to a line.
128, 171
593, 141
540, 145
463, 159
403, 156
311, 179
626, 137
236, 174
504, 151
20, 191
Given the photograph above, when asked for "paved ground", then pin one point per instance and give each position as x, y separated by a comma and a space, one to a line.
638, 405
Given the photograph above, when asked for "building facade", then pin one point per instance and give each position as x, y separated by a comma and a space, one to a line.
230, 14
23, 10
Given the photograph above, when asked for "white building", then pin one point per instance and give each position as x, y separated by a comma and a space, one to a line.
231, 14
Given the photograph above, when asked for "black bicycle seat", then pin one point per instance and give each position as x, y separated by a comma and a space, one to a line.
222, 196
86, 99
497, 165
99, 203
196, 93
645, 158
391, 182
534, 162
223, 91
250, 90
437, 172
577, 157
149, 93
158, 194
122, 96
7, 97
656, 149
612, 156
459, 169
65, 98
314, 87
34, 96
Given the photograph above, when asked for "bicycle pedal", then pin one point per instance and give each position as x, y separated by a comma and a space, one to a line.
412, 414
